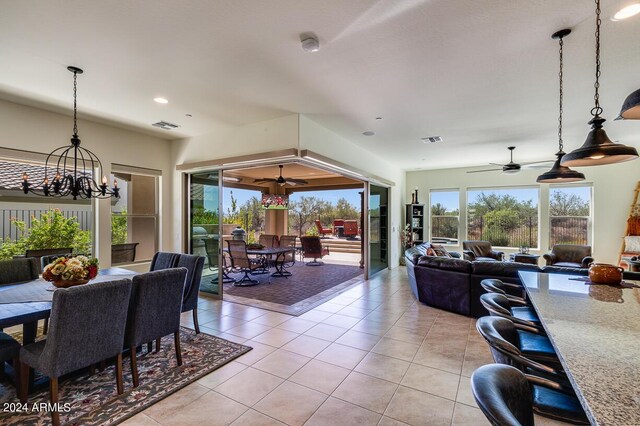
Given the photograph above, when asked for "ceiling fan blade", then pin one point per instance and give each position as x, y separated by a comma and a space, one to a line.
487, 170
296, 181
497, 164
263, 180
533, 164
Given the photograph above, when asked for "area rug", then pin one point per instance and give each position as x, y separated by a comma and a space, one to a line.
94, 401
307, 287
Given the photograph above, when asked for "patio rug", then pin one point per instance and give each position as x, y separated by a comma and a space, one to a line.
307, 287
94, 401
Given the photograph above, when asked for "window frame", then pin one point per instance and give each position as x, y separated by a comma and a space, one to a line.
590, 218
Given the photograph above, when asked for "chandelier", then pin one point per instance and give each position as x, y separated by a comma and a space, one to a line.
69, 170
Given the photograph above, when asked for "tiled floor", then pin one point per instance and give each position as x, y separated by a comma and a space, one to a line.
370, 356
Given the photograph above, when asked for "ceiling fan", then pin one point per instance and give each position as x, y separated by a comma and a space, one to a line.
282, 181
512, 167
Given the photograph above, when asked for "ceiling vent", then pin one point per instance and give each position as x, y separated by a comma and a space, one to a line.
165, 125
432, 139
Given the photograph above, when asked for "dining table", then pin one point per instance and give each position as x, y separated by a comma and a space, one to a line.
279, 253
595, 330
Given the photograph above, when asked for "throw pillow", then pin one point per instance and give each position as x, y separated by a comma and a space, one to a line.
431, 252
440, 250
632, 244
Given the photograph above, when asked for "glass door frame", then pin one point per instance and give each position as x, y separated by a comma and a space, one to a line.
367, 223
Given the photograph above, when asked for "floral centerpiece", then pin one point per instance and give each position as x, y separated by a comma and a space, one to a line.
70, 271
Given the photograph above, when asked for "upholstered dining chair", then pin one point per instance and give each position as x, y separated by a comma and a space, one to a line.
552, 393
18, 270
241, 261
503, 394
312, 249
87, 326
10, 351
154, 312
194, 265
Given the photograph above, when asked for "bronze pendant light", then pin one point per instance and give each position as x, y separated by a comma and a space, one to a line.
631, 107
598, 149
558, 172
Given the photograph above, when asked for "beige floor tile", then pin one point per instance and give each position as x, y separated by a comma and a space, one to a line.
275, 337
396, 349
306, 345
330, 307
221, 323
222, 374
368, 305
372, 327
338, 412
140, 419
291, 403
366, 391
326, 332
255, 418
545, 421
341, 355
176, 400
343, 321
352, 311
463, 415
406, 334
223, 335
249, 386
419, 408
297, 325
258, 352
320, 376
248, 314
281, 363
210, 409
465, 395
431, 380
383, 367
272, 319
357, 339
388, 421
447, 361
248, 330
315, 315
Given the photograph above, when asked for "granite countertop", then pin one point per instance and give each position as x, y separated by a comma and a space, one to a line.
595, 330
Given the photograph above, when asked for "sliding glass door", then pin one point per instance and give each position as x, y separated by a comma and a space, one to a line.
204, 226
378, 228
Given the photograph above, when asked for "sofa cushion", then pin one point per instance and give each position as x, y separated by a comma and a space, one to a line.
501, 269
565, 270
414, 253
446, 263
439, 250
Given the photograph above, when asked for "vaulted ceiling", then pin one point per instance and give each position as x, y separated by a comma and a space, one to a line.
483, 75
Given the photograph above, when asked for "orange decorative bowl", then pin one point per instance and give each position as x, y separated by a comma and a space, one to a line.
604, 273
68, 283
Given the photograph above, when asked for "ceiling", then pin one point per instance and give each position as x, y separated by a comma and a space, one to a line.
315, 177
483, 78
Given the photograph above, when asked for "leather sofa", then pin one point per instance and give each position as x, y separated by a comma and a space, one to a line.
453, 284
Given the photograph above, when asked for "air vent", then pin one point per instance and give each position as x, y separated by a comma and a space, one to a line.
432, 139
165, 125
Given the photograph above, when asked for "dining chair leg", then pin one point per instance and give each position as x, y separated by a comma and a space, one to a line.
53, 391
149, 347
45, 329
158, 344
195, 320
134, 368
102, 366
23, 389
119, 385
176, 339
92, 369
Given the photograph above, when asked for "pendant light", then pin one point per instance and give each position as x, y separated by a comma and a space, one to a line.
74, 167
631, 107
598, 149
559, 173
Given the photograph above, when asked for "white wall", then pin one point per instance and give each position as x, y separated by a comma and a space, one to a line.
34, 129
613, 187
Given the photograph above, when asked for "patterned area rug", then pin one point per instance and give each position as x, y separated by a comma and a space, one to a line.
307, 287
94, 401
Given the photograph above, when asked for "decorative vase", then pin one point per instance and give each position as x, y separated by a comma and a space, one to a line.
413, 198
68, 283
417, 202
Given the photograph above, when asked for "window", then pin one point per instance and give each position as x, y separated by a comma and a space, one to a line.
134, 217
445, 216
569, 215
506, 217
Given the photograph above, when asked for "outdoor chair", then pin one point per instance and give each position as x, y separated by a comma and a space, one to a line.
350, 228
289, 258
194, 265
123, 253
39, 253
154, 312
312, 249
211, 248
323, 231
569, 256
87, 327
338, 227
268, 240
241, 261
481, 250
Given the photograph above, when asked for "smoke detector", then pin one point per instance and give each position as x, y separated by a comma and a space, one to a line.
432, 139
165, 125
310, 43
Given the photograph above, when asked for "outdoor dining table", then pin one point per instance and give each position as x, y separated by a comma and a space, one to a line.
279, 252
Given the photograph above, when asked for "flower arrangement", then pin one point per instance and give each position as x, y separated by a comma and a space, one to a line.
77, 269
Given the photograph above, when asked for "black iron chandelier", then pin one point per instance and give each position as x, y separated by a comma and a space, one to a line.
74, 167
559, 173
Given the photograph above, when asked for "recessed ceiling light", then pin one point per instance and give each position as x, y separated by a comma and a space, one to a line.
310, 43
368, 133
188, 115
161, 100
627, 12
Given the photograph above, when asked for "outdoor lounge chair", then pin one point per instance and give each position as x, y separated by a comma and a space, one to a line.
350, 228
312, 249
323, 231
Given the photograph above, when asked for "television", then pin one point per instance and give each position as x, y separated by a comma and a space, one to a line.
275, 202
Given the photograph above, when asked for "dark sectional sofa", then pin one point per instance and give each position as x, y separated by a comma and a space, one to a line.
453, 283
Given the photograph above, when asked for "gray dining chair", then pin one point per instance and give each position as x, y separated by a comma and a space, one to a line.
194, 265
19, 270
154, 312
10, 351
87, 326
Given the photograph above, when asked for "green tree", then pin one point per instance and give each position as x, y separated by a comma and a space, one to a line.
304, 212
345, 210
119, 227
562, 203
